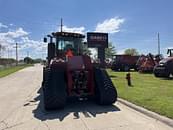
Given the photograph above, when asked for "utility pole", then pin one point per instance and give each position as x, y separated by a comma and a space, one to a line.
158, 44
16, 54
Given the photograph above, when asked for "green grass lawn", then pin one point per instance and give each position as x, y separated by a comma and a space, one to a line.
7, 71
149, 92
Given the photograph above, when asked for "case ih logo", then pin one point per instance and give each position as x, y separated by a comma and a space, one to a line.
97, 40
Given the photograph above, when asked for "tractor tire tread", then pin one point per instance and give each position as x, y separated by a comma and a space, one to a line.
54, 90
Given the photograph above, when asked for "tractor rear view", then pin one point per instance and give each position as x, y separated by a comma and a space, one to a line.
70, 73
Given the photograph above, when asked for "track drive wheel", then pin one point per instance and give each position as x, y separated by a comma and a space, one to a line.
54, 89
105, 92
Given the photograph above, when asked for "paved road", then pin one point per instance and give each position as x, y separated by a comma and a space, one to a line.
21, 109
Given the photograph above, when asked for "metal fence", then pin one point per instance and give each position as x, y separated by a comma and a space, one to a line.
7, 63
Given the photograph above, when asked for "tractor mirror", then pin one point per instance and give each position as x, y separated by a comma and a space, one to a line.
45, 39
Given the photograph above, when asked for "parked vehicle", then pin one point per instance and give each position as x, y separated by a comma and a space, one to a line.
146, 63
124, 62
165, 66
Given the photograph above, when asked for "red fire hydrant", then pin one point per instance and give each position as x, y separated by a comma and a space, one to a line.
128, 77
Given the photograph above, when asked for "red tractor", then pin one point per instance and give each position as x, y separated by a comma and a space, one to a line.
70, 73
165, 67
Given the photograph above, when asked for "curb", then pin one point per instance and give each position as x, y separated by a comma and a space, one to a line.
151, 114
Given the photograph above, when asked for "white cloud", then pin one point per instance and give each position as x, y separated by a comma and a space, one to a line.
170, 47
74, 29
11, 24
120, 51
17, 33
10, 36
3, 26
36, 46
110, 25
8, 40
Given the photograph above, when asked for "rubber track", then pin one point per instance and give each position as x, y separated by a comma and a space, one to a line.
106, 93
54, 89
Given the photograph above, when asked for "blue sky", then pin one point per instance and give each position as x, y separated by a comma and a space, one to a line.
130, 23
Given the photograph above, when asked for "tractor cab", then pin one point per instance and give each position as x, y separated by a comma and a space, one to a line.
64, 44
69, 41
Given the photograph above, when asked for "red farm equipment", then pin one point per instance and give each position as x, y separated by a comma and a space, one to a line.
146, 63
70, 73
124, 62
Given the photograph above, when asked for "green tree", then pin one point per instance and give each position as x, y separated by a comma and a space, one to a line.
38, 60
28, 60
131, 51
110, 51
